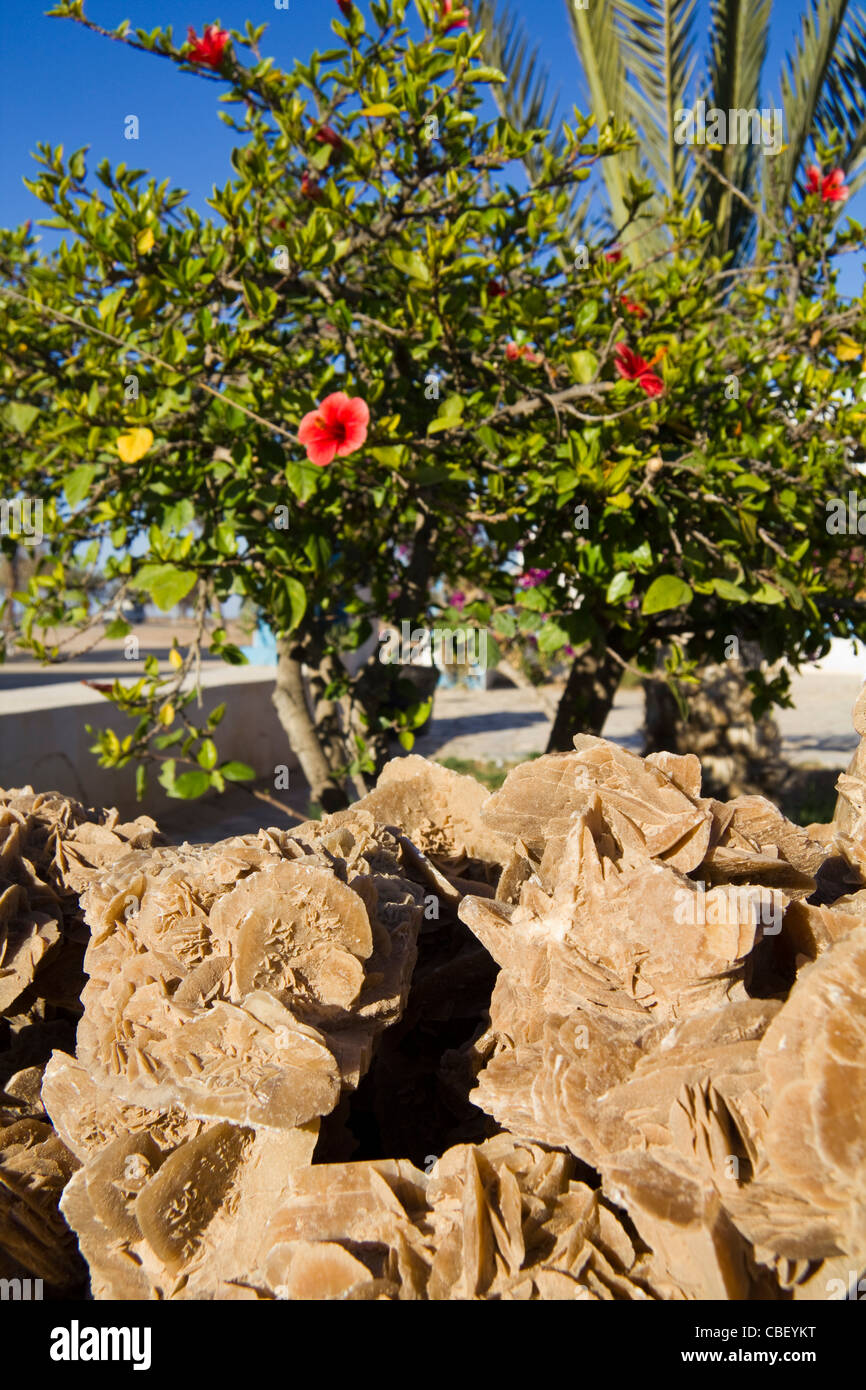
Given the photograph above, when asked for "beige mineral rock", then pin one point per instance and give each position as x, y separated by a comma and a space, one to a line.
88, 1117
439, 811
505, 1219
247, 981
50, 848
673, 1044
35, 1242
849, 806
183, 1223
621, 1026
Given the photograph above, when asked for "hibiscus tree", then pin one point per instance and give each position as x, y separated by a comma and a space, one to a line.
338, 418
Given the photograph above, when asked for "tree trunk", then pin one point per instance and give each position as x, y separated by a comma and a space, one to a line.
13, 584
739, 755
290, 702
586, 701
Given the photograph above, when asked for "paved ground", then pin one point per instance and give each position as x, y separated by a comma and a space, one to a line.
509, 725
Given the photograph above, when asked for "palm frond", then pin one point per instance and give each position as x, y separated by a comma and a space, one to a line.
599, 47
739, 33
659, 51
840, 114
523, 98
804, 81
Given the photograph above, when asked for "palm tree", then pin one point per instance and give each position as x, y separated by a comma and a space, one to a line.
638, 63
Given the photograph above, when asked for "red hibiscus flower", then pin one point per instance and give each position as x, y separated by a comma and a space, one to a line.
635, 368
831, 186
632, 308
336, 428
346, 6
310, 187
326, 135
209, 50
514, 351
461, 16
614, 254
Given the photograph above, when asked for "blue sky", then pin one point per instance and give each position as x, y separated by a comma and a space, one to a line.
64, 85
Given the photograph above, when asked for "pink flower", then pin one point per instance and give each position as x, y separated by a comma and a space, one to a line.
458, 601
532, 578
346, 7
336, 428
461, 16
635, 368
209, 50
614, 254
496, 289
831, 186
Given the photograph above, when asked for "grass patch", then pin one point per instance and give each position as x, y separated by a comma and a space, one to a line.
809, 795
491, 772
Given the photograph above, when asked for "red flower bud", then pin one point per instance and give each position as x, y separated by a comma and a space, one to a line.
326, 135
461, 16
310, 187
637, 309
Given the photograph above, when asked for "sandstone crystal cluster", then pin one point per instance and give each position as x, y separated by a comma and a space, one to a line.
593, 1036
50, 849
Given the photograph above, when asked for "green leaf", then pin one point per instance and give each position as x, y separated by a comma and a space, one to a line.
668, 591
237, 772
584, 366
732, 592
551, 638
140, 781
752, 482
110, 302
620, 586
297, 601
390, 455
407, 739
166, 584
381, 108
77, 484
768, 593
411, 264
586, 316
216, 715
19, 415
207, 755
486, 75
191, 784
